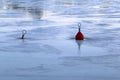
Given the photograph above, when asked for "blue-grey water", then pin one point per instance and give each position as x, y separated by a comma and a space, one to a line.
49, 51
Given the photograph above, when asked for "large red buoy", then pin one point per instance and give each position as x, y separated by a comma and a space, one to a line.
79, 35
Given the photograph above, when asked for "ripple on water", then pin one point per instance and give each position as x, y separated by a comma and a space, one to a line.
110, 61
41, 69
29, 48
103, 24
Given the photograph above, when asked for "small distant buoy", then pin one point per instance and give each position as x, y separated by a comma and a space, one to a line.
79, 35
23, 34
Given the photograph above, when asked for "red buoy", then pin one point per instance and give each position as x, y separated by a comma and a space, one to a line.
79, 35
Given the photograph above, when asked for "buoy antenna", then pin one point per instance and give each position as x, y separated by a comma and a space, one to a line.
79, 27
23, 34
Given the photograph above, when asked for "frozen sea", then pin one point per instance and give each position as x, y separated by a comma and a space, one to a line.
49, 50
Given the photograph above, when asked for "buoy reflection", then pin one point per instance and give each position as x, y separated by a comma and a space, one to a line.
79, 43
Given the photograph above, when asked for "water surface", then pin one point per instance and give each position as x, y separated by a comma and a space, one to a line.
49, 50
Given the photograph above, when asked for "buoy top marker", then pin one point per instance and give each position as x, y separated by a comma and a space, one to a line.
23, 34
79, 35
79, 27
